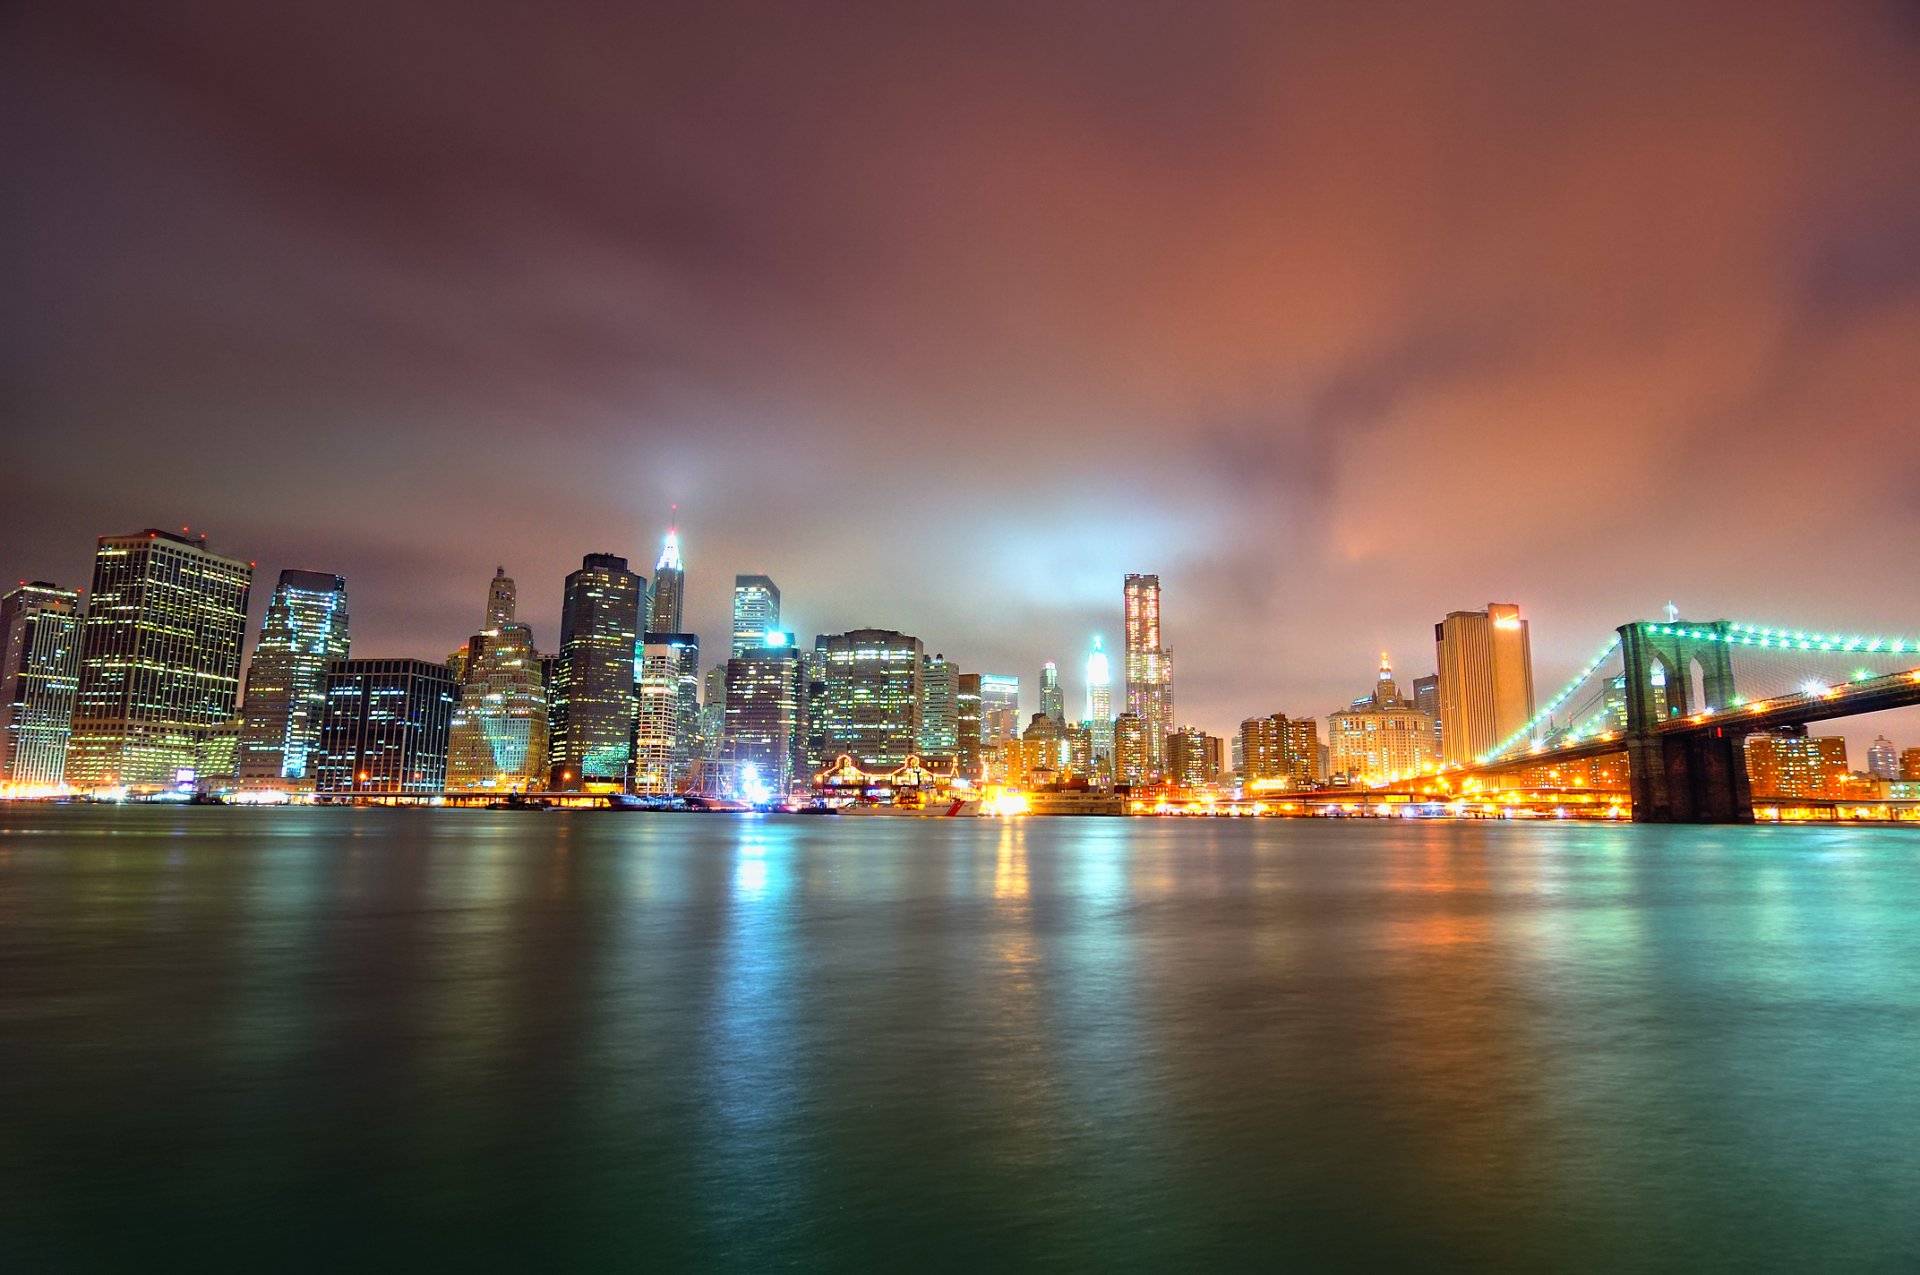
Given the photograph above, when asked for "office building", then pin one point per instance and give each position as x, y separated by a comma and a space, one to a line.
1883, 759
1149, 668
1426, 698
385, 726
1194, 758
873, 705
1052, 702
968, 745
939, 711
999, 709
766, 722
159, 659
666, 602
593, 704
39, 675
756, 611
666, 731
1100, 700
497, 738
1382, 737
305, 630
1486, 680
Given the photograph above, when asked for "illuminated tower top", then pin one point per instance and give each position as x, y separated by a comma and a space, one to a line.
665, 603
502, 599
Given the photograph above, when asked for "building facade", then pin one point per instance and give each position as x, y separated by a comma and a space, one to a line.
766, 722
385, 727
967, 737
666, 729
666, 600
1790, 764
159, 659
1100, 700
1194, 758
999, 709
939, 711
756, 611
1486, 680
497, 739
1052, 701
1883, 759
1382, 737
1130, 760
593, 704
305, 631
1149, 668
39, 676
873, 706
1279, 751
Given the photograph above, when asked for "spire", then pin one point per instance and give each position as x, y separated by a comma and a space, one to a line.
1386, 668
670, 552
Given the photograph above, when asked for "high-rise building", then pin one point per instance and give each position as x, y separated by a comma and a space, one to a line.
1149, 669
666, 731
305, 630
1052, 701
1194, 758
999, 709
756, 611
967, 721
1100, 700
873, 702
666, 604
594, 706
159, 658
1426, 698
1279, 749
39, 674
939, 710
1486, 680
385, 726
766, 726
1909, 765
1883, 759
1790, 764
498, 735
1383, 737
1130, 760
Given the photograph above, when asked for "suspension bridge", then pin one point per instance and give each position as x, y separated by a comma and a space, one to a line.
1679, 698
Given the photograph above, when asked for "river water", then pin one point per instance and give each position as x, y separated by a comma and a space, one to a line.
309, 1038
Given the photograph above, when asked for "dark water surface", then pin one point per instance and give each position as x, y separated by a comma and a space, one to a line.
673, 1042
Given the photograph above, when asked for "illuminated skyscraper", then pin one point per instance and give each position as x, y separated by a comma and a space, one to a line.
939, 710
1382, 737
385, 726
766, 725
999, 709
1194, 758
159, 658
1100, 700
873, 702
1279, 748
1883, 759
599, 627
1052, 702
1149, 669
756, 611
967, 726
305, 630
39, 673
666, 603
498, 736
1486, 679
666, 732
1129, 751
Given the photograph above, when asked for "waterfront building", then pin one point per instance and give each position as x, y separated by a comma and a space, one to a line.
939, 710
1486, 680
1910, 765
873, 705
386, 726
159, 658
1194, 758
756, 611
1883, 759
39, 675
1279, 751
304, 631
766, 719
666, 731
1076, 751
216, 755
593, 704
497, 738
1426, 698
1130, 759
1149, 668
666, 601
999, 709
1382, 737
968, 746
1790, 764
1052, 702
1100, 700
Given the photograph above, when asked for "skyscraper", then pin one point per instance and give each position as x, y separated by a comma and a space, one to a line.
159, 658
599, 627
1129, 751
940, 709
1052, 702
305, 630
1883, 759
666, 732
999, 709
666, 602
967, 716
1149, 669
1426, 698
498, 735
384, 727
1100, 700
873, 700
39, 673
1279, 748
1194, 758
1486, 679
1382, 736
766, 724
756, 611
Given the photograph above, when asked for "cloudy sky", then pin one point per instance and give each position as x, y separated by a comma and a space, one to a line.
946, 316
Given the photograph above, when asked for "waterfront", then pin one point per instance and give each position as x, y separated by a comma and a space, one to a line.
312, 1037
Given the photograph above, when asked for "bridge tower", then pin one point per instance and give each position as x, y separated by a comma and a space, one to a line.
1685, 776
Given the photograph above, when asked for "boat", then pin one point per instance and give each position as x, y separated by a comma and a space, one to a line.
934, 808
